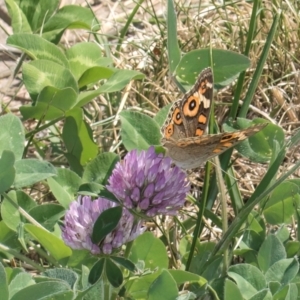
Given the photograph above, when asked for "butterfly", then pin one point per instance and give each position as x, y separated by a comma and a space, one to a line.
184, 129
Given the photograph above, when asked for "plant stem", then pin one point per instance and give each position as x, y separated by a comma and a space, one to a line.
223, 210
202, 206
125, 28
259, 68
23, 212
260, 193
21, 257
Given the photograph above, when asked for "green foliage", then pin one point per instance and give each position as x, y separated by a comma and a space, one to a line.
3, 283
41, 73
50, 104
225, 71
138, 131
52, 243
113, 273
12, 127
258, 147
64, 186
174, 52
8, 171
98, 169
150, 250
274, 275
59, 84
30, 171
38, 48
106, 223
55, 284
77, 136
281, 204
163, 286
96, 271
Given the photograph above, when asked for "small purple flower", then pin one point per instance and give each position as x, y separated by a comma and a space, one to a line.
81, 217
147, 182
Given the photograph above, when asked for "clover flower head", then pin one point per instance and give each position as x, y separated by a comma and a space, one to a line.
81, 217
147, 181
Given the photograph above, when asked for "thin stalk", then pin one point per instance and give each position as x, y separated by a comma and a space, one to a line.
259, 69
259, 194
202, 201
202, 206
31, 138
36, 130
213, 188
213, 292
240, 82
21, 257
233, 191
23, 212
223, 210
125, 28
225, 157
128, 248
44, 255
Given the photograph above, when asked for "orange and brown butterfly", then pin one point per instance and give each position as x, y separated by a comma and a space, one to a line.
185, 126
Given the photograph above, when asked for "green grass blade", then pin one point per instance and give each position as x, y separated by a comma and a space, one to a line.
202, 206
213, 188
240, 82
295, 139
225, 158
125, 28
174, 52
260, 65
260, 193
233, 191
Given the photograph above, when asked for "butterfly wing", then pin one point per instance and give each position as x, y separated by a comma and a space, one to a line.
196, 105
189, 153
173, 126
189, 116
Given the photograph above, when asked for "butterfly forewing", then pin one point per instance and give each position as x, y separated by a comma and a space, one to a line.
173, 126
196, 104
189, 116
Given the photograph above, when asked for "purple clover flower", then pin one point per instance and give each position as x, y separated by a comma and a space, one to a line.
147, 182
81, 217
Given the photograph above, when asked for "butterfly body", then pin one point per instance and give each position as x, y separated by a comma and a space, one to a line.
185, 126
